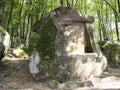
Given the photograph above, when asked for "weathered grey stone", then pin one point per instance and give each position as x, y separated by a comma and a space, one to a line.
87, 83
67, 39
5, 38
53, 84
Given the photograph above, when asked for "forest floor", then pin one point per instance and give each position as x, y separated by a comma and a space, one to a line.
14, 75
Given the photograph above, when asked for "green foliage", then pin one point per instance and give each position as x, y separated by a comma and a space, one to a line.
44, 42
31, 44
112, 52
2, 30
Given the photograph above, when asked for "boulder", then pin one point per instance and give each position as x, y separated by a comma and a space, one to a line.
5, 39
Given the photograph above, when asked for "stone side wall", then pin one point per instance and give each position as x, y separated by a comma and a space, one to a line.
82, 57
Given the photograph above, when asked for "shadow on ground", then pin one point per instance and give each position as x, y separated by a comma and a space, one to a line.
14, 74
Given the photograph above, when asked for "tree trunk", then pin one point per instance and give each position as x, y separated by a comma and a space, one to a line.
10, 15
99, 24
118, 5
116, 24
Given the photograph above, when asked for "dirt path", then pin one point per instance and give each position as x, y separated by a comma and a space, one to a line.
14, 75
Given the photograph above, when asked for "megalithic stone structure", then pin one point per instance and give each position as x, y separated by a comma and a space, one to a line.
67, 45
5, 41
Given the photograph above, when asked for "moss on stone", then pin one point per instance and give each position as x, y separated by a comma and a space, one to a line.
31, 44
2, 30
44, 42
112, 52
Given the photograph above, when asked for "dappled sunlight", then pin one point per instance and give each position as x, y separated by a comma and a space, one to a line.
15, 75
53, 44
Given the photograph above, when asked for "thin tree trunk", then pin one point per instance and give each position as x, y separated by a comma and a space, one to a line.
21, 31
116, 24
110, 27
76, 2
72, 3
4, 13
61, 3
68, 3
114, 9
116, 21
105, 35
118, 5
10, 15
100, 32
85, 7
28, 28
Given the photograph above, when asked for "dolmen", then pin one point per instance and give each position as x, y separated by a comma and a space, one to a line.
64, 46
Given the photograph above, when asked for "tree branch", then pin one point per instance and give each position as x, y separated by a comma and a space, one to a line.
114, 10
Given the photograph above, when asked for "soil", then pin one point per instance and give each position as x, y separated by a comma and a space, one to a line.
15, 75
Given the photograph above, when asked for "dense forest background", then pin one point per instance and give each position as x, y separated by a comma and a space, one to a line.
18, 16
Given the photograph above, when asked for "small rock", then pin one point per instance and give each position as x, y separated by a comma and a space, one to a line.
61, 85
85, 83
53, 84
18, 68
